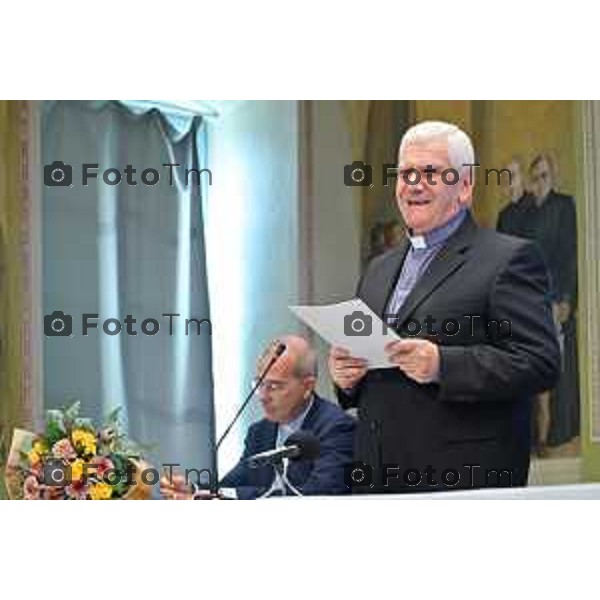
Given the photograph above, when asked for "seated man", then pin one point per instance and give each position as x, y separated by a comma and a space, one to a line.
289, 403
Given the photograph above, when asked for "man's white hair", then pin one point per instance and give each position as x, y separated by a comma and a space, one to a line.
460, 147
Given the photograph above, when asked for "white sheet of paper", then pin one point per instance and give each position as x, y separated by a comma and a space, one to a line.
329, 322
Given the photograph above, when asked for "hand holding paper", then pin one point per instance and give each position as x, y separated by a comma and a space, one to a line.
418, 359
354, 327
346, 371
361, 341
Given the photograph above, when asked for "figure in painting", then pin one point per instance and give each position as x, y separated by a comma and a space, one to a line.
548, 217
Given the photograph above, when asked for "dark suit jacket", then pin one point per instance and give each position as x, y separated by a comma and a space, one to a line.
515, 218
325, 475
554, 229
478, 413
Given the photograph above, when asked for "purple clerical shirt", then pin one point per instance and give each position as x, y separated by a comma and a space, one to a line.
422, 251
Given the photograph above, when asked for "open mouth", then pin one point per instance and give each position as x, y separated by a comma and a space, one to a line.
419, 202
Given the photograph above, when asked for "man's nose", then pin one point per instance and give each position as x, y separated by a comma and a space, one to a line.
406, 189
413, 189
419, 187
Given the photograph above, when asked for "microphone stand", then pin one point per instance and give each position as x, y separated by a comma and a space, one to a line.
279, 350
281, 481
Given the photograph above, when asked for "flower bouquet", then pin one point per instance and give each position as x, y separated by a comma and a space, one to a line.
72, 460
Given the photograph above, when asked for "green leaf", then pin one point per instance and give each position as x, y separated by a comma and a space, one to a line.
113, 416
83, 423
72, 412
56, 417
120, 489
119, 461
54, 432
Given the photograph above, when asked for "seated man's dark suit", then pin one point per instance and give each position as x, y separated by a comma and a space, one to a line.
478, 412
325, 475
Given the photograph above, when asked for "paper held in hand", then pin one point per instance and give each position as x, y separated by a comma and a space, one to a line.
351, 325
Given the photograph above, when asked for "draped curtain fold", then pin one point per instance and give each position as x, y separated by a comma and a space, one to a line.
118, 250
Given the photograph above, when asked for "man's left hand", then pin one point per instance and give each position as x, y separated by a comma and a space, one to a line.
418, 359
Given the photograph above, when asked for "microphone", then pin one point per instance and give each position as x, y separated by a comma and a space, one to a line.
300, 444
279, 349
277, 352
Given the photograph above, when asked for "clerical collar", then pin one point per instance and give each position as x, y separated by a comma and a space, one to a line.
439, 234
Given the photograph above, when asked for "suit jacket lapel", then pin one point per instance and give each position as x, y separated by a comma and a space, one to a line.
312, 413
448, 260
298, 470
268, 432
268, 436
379, 295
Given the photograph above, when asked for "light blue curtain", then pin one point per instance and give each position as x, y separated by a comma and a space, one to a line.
129, 250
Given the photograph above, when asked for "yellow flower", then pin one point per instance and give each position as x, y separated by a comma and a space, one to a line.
40, 447
101, 491
77, 470
84, 440
34, 457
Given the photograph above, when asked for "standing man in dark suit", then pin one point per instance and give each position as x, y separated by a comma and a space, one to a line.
554, 229
514, 217
473, 305
518, 218
290, 404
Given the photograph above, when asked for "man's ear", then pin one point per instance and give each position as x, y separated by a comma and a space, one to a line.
309, 385
465, 196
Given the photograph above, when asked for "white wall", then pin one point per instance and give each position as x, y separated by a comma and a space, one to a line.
252, 247
254, 243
